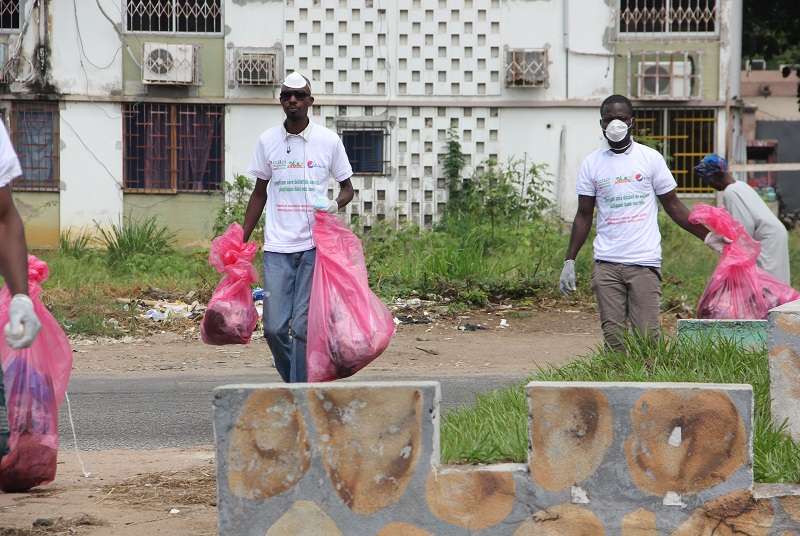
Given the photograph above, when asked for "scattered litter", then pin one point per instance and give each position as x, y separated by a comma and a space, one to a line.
427, 351
416, 310
258, 294
154, 314
503, 323
174, 511
471, 327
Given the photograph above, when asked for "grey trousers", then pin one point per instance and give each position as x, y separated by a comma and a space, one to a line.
628, 296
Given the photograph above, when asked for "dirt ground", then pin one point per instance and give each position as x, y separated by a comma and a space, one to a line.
471, 344
173, 491
130, 493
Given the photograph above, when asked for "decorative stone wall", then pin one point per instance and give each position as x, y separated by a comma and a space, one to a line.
784, 365
606, 458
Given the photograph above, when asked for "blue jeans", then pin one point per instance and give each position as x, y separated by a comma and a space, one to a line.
287, 289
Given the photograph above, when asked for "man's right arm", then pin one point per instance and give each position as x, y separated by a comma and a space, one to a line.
581, 225
14, 253
255, 207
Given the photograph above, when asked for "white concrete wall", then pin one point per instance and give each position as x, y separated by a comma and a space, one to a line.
91, 164
252, 23
587, 70
536, 134
89, 63
243, 125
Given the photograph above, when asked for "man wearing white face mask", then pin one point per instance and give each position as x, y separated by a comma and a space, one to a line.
623, 181
23, 324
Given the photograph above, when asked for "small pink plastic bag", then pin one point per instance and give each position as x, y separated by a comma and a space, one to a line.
348, 326
231, 316
738, 288
35, 382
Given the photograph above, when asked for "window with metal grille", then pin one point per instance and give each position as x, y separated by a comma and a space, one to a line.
9, 15
526, 68
683, 136
665, 75
365, 150
188, 16
35, 135
256, 68
173, 147
666, 16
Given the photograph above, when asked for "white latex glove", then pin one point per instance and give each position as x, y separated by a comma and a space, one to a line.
323, 204
567, 281
23, 324
716, 242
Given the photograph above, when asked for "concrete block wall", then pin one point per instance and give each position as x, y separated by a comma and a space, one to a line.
751, 333
605, 458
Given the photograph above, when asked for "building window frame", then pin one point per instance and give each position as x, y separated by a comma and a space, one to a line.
159, 141
684, 135
37, 155
349, 129
171, 17
660, 17
10, 12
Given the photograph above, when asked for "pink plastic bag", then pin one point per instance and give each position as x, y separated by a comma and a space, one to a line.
738, 289
348, 326
231, 316
35, 381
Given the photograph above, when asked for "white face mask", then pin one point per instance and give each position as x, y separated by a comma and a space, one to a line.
616, 130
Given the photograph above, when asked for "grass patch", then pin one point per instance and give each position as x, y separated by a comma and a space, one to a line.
82, 292
494, 430
134, 239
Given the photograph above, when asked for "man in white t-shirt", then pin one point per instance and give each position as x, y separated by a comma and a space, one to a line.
292, 165
747, 207
623, 181
23, 324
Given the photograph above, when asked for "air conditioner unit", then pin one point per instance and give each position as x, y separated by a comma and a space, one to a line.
665, 79
256, 67
169, 64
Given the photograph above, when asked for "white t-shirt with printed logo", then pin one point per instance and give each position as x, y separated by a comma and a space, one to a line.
625, 187
298, 168
10, 168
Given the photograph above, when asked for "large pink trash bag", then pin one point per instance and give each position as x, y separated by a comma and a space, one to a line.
348, 326
231, 316
738, 288
35, 381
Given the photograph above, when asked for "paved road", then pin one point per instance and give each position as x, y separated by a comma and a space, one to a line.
175, 411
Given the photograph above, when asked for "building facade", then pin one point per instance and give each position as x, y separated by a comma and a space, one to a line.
145, 107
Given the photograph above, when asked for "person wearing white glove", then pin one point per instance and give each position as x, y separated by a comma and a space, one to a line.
292, 164
567, 281
23, 325
747, 207
624, 181
716, 242
323, 204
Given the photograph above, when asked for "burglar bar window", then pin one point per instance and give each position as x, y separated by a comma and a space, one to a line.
190, 16
9, 15
683, 136
173, 147
665, 16
365, 150
35, 135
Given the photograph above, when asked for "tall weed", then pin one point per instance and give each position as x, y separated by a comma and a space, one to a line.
132, 239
